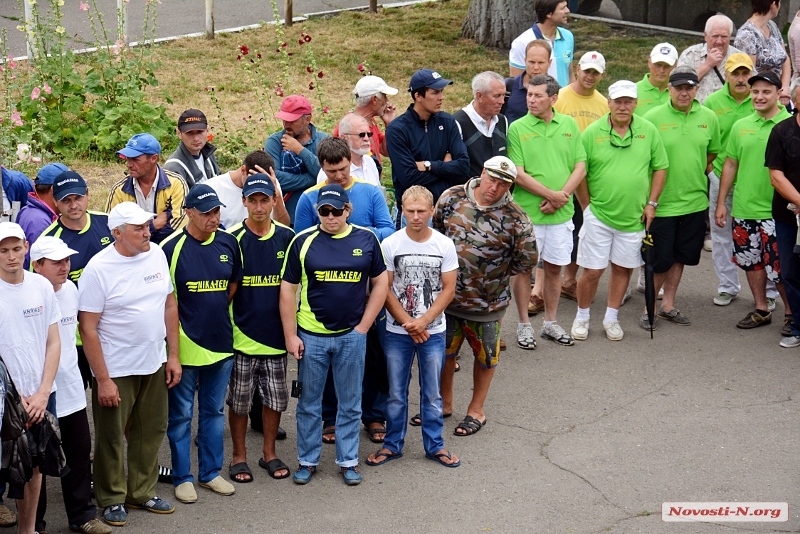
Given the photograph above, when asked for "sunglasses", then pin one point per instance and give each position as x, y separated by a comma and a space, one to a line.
324, 211
625, 142
362, 135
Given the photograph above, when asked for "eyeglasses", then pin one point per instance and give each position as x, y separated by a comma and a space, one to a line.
362, 135
624, 143
324, 211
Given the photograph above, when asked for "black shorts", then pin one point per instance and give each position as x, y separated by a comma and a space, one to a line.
678, 239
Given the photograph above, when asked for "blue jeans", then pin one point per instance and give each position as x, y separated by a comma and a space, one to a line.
400, 350
790, 270
345, 355
213, 384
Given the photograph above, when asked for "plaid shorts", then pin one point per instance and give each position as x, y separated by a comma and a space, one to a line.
267, 373
755, 246
484, 338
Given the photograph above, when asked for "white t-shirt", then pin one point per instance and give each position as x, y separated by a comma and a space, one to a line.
367, 172
516, 56
229, 194
201, 164
27, 311
417, 269
130, 294
71, 396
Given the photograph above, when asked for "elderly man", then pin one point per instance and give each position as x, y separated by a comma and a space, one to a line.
194, 158
691, 137
41, 209
206, 268
372, 101
494, 242
551, 16
294, 150
709, 58
625, 169
652, 89
129, 325
783, 161
150, 186
357, 132
424, 142
31, 347
483, 128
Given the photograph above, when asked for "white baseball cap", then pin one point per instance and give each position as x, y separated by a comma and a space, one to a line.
593, 60
50, 247
664, 53
373, 85
623, 88
9, 229
127, 213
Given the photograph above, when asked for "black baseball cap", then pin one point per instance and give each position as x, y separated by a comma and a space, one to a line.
768, 76
332, 195
258, 183
69, 183
683, 78
203, 198
192, 119
427, 78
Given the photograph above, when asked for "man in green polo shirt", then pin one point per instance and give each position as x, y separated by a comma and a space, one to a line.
692, 140
731, 103
652, 89
754, 240
546, 147
625, 169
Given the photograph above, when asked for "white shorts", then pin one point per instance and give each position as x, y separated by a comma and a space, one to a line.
600, 243
554, 242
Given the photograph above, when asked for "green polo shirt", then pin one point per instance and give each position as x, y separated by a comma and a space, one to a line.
752, 197
688, 139
649, 96
619, 171
548, 152
728, 112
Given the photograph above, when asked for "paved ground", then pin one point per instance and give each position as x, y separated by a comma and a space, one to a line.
175, 17
590, 438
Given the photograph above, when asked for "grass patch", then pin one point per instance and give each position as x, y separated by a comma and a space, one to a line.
394, 42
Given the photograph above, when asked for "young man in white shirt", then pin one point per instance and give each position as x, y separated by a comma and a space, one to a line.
30, 346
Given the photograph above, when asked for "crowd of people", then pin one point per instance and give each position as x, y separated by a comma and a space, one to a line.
194, 284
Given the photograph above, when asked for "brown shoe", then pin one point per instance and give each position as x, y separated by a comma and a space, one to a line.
753, 320
7, 517
93, 526
570, 291
535, 305
503, 344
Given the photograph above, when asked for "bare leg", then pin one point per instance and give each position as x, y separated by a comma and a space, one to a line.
238, 424
617, 285
521, 289
571, 274
757, 280
271, 420
448, 373
538, 285
482, 379
26, 508
552, 290
671, 281
787, 310
587, 286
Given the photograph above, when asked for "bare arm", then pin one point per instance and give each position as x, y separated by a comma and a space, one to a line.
657, 185
417, 327
107, 392
377, 296
530, 184
574, 180
36, 404
173, 369
729, 169
288, 304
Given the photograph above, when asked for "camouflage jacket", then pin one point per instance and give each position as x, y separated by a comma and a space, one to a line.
493, 244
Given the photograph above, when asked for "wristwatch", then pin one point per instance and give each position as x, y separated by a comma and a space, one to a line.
652, 203
427, 165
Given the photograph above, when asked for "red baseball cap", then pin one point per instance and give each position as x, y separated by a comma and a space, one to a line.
293, 107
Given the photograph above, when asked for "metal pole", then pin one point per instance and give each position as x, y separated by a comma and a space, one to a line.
122, 9
373, 6
287, 12
29, 44
209, 19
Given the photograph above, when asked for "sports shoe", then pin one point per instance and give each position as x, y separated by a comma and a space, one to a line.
93, 526
660, 294
723, 298
753, 320
613, 330
555, 333
570, 291
7, 517
525, 337
157, 505
186, 493
535, 305
674, 316
164, 474
787, 326
351, 475
645, 323
790, 342
626, 296
580, 329
771, 304
116, 515
707, 245
219, 485
303, 474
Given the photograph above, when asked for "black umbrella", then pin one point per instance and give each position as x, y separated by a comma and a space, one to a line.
649, 258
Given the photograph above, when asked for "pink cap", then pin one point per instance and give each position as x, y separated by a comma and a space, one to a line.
293, 107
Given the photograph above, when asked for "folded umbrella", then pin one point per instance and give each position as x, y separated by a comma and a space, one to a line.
649, 258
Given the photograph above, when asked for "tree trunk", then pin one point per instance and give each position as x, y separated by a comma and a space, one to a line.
495, 23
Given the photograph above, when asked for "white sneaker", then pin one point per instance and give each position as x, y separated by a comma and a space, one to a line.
660, 294
790, 342
640, 282
525, 337
707, 245
613, 330
771, 304
554, 332
626, 296
580, 330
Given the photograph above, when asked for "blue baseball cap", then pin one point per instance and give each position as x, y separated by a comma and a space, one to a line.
47, 174
332, 195
203, 198
427, 78
258, 183
139, 144
69, 183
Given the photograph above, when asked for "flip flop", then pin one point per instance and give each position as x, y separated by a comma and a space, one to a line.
387, 457
378, 430
274, 465
238, 469
417, 419
469, 425
329, 435
438, 458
